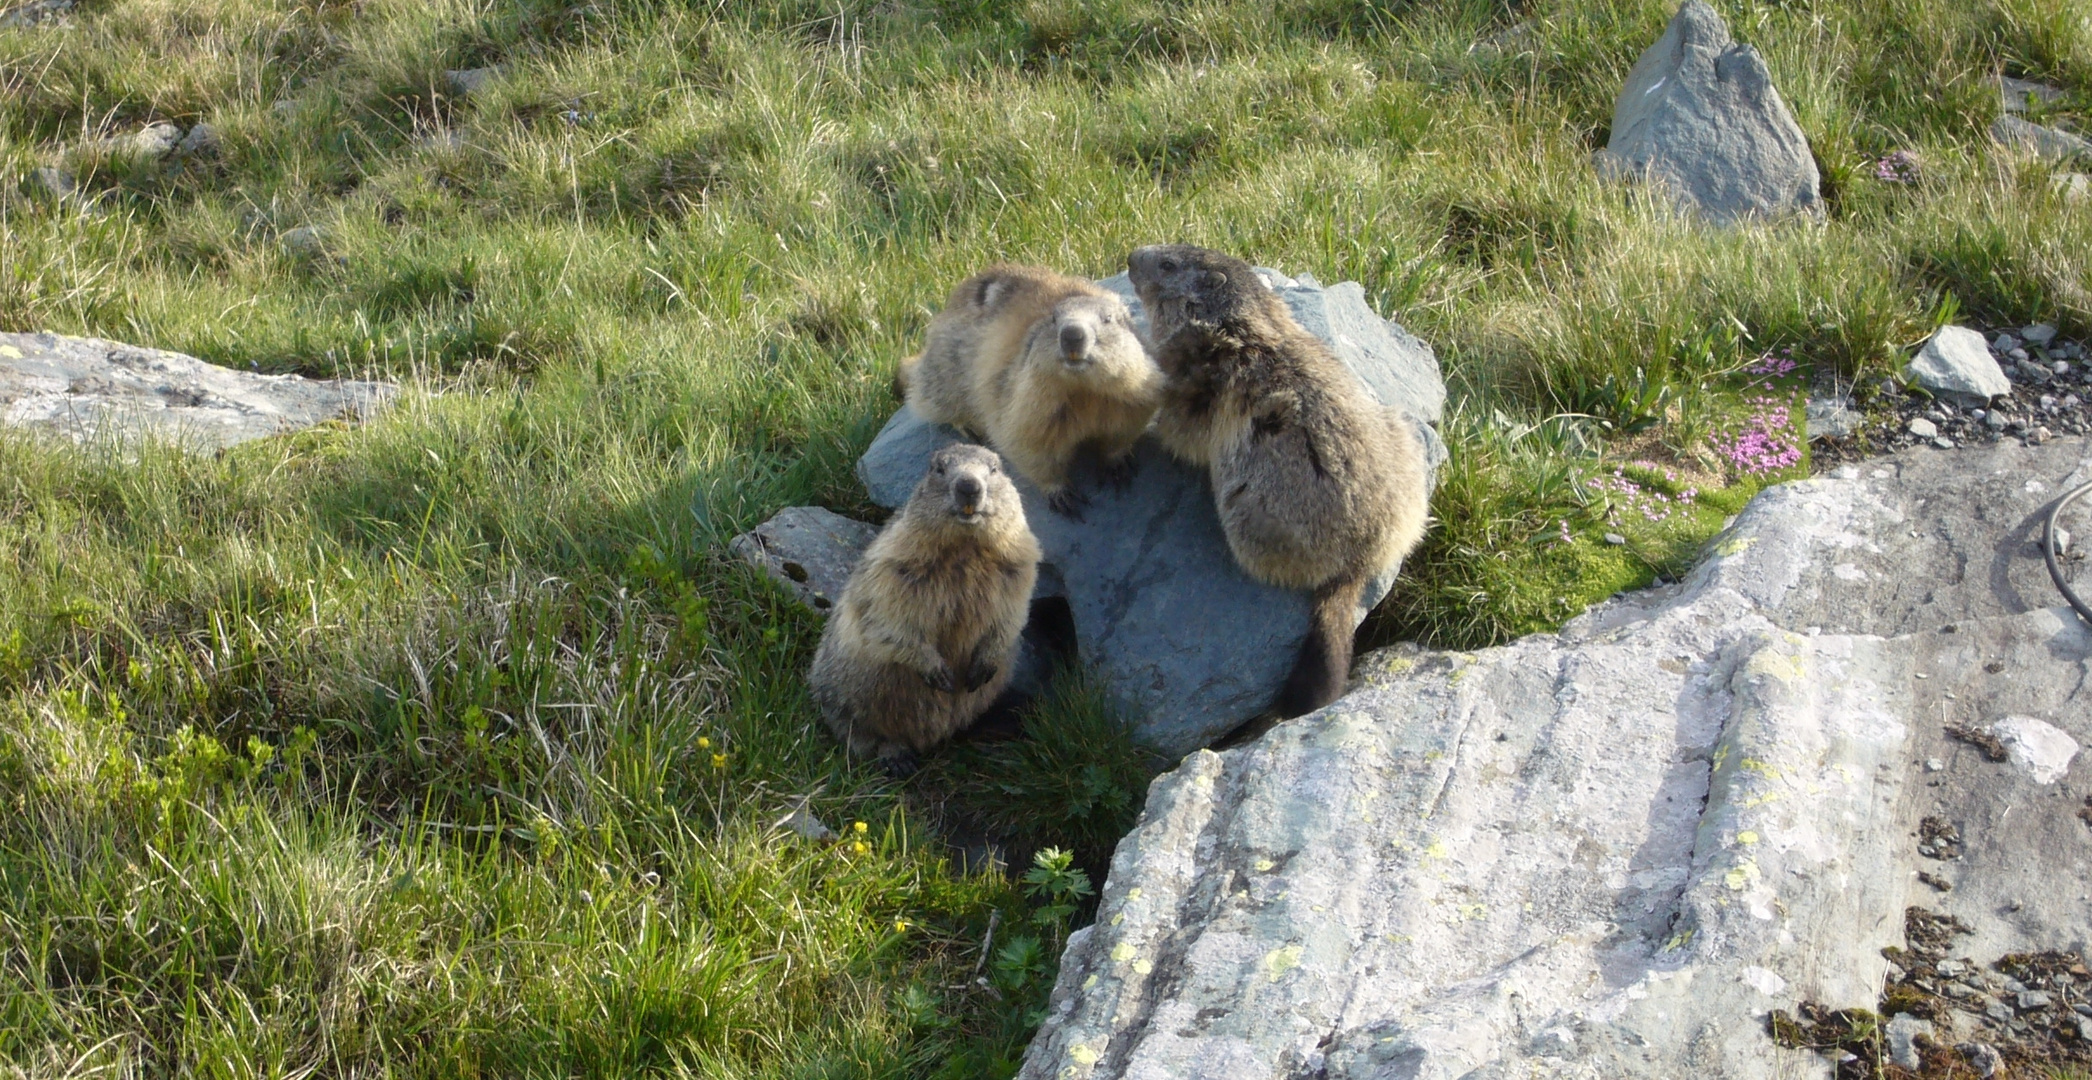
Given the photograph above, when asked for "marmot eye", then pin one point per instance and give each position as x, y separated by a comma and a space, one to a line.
1169, 266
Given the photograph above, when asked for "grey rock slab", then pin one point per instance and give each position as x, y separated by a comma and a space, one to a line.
2039, 333
89, 390
1922, 428
2047, 143
1956, 365
809, 550
1612, 851
1700, 116
2018, 95
1162, 613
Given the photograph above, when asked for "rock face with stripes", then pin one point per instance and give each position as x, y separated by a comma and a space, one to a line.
1618, 850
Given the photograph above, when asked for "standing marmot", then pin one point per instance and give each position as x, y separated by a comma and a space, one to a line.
921, 642
1318, 486
1042, 365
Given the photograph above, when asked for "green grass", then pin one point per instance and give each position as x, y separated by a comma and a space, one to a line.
391, 749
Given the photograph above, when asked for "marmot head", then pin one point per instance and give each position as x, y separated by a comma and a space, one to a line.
1185, 286
1084, 332
966, 486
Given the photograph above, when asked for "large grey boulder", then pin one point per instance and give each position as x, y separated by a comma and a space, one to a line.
1700, 117
1956, 364
1162, 613
1612, 852
87, 389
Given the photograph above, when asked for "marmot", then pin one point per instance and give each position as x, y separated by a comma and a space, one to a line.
922, 640
1045, 367
1318, 486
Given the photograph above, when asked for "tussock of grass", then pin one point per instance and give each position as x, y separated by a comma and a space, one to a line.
451, 744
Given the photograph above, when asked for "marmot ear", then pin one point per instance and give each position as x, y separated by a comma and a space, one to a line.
1213, 279
991, 291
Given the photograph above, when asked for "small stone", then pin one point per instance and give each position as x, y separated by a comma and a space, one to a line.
2038, 436
2013, 986
1995, 421
157, 140
1981, 1057
201, 139
803, 822
1903, 1033
1978, 414
2038, 334
2084, 1029
1615, 539
1928, 851
2004, 342
304, 240
1949, 968
55, 182
1831, 418
1933, 764
2060, 367
1998, 1011
808, 550
1943, 443
1923, 428
2017, 354
1957, 366
466, 82
2030, 1000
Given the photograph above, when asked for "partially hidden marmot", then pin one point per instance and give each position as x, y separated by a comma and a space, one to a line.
1045, 367
922, 640
1318, 486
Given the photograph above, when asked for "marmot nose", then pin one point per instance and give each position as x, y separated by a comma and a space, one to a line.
967, 489
1075, 341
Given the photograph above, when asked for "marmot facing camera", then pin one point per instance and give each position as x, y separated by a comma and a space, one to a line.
1318, 486
1045, 367
922, 639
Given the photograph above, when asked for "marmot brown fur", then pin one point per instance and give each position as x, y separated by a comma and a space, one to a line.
1318, 486
1045, 367
921, 642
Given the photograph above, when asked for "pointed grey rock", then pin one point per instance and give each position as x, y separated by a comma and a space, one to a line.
1700, 116
1955, 364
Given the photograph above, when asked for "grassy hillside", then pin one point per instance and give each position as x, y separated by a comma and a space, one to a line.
453, 744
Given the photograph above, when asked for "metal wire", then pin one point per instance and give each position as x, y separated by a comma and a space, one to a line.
2049, 552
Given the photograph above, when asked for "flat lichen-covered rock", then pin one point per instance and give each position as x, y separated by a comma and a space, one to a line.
87, 389
1161, 612
1617, 850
